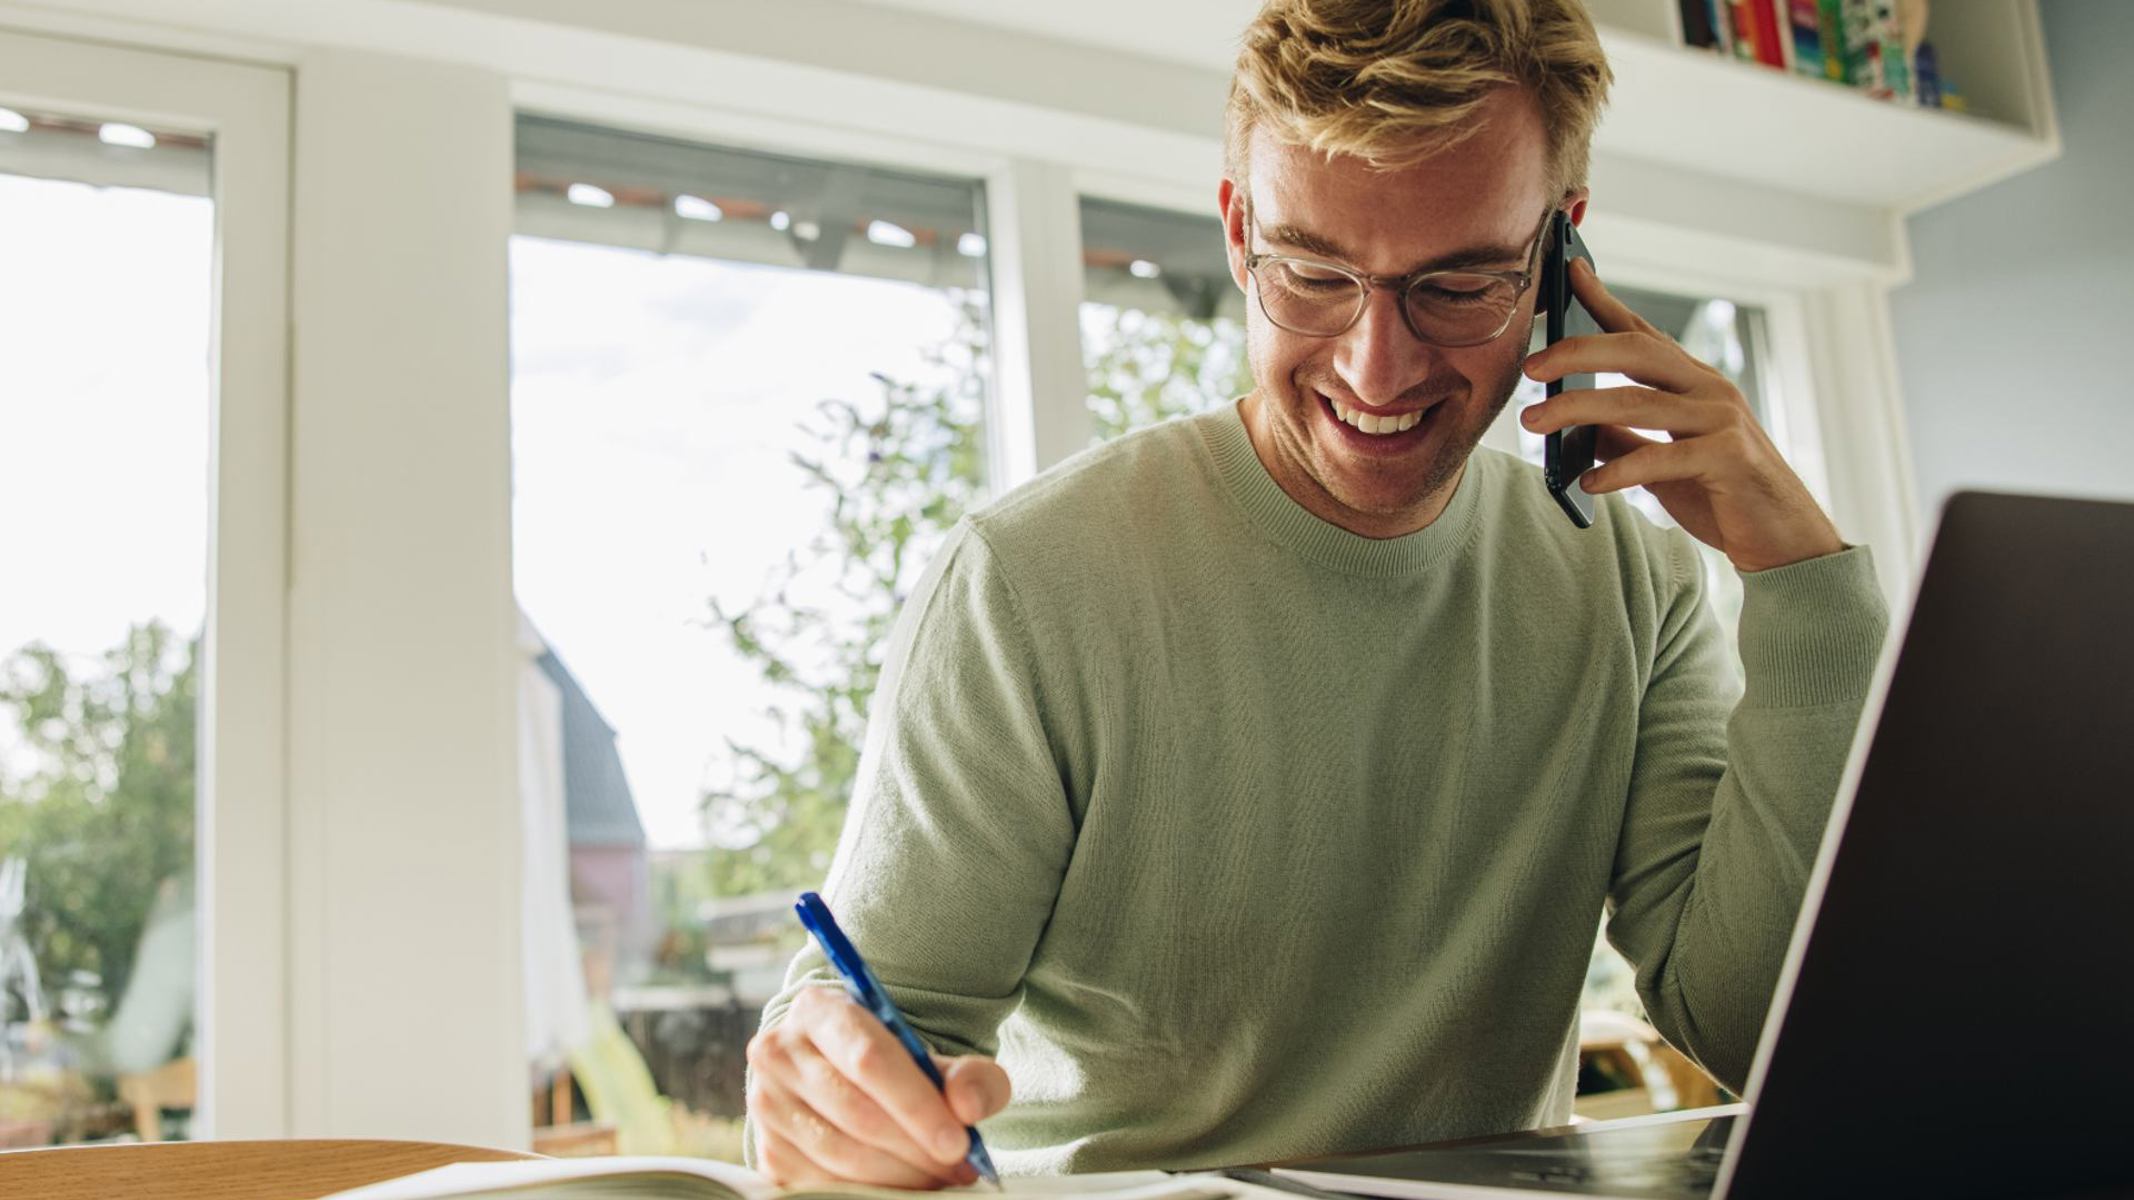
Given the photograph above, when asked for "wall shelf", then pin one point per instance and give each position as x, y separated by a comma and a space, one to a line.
1817, 138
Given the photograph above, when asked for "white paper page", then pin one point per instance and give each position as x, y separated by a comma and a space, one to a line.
462, 1178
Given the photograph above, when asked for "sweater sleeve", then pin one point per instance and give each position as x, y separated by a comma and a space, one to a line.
1722, 828
959, 828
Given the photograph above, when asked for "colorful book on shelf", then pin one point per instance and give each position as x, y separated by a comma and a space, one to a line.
1758, 36
1741, 29
1818, 29
1719, 13
1830, 22
1700, 25
1896, 54
1876, 59
1805, 28
1853, 39
1926, 76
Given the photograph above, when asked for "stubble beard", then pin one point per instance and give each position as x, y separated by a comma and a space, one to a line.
1448, 456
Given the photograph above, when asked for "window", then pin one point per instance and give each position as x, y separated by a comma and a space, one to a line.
747, 402
1163, 331
107, 231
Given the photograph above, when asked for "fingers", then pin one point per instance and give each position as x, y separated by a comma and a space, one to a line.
1720, 476
977, 1087
1655, 462
824, 1089
1630, 345
768, 1108
798, 1145
1641, 407
1613, 441
852, 1111
785, 1164
1648, 358
863, 1050
1612, 314
1613, 444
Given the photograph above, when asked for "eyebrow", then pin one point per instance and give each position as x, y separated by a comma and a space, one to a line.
1471, 256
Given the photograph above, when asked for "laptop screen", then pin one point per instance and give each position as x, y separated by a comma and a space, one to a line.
1961, 1010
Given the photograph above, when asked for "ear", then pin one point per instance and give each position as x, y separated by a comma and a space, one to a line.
1230, 200
1576, 203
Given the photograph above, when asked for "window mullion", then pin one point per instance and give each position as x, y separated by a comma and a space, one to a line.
1040, 415
404, 816
1860, 412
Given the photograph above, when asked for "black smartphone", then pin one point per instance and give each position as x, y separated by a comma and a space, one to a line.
1568, 453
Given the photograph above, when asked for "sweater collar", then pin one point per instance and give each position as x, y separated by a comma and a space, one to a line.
1293, 526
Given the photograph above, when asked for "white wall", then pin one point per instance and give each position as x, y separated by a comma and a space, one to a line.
2009, 335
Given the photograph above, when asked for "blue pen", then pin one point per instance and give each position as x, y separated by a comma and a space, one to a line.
867, 991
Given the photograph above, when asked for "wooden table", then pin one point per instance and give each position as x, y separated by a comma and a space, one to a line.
266, 1170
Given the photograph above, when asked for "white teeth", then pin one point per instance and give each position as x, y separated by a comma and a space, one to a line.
1373, 424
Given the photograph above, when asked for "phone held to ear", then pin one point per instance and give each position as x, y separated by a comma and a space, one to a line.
1568, 452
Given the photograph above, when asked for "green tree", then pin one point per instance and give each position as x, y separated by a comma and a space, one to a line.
1146, 367
100, 801
899, 472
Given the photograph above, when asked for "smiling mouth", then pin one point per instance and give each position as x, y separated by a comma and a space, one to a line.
1373, 431
1375, 425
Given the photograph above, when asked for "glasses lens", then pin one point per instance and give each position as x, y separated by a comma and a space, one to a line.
1307, 298
1461, 310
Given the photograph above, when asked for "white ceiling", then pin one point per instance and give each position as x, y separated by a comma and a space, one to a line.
1200, 33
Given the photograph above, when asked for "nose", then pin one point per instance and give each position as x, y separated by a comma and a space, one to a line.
1379, 358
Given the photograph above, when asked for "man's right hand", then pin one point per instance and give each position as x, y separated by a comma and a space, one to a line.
834, 1097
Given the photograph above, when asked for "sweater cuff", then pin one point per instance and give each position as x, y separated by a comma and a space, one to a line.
1811, 631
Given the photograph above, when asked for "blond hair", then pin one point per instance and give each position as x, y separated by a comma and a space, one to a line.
1395, 81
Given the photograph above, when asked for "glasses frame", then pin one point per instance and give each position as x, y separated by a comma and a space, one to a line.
1399, 285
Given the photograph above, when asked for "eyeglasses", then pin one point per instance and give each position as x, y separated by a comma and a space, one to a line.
1443, 308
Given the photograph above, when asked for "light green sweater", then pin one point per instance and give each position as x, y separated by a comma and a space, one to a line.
1237, 836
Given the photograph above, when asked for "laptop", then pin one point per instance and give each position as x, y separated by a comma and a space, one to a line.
1956, 1015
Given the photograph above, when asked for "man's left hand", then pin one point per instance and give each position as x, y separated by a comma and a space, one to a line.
1720, 477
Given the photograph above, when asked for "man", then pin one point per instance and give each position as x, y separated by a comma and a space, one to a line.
1250, 786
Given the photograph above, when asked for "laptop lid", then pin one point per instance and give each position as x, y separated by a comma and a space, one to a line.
1954, 1017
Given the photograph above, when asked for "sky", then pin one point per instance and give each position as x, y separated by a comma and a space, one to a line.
654, 404
103, 415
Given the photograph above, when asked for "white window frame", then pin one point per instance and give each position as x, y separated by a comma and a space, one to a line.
406, 991
240, 1039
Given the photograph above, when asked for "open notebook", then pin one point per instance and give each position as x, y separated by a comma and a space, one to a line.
645, 1178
